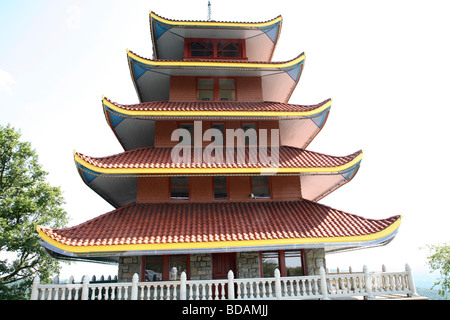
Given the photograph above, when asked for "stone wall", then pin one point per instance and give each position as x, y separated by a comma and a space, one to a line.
248, 265
200, 267
314, 259
128, 266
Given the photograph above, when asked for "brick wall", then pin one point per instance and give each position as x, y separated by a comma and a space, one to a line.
201, 189
151, 190
249, 89
185, 89
163, 133
164, 129
239, 188
286, 187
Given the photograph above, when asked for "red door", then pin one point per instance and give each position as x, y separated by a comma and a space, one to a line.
222, 263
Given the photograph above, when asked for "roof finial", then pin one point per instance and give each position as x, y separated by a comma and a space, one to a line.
209, 10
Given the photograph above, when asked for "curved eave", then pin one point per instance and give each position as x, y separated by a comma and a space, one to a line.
117, 190
342, 242
151, 78
178, 169
220, 64
166, 35
214, 24
158, 114
115, 178
133, 125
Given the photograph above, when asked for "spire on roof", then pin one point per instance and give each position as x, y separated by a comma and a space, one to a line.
209, 10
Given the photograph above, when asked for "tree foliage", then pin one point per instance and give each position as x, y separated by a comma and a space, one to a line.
439, 259
26, 200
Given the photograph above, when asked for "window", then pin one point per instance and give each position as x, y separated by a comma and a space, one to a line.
165, 267
221, 128
293, 263
251, 138
205, 89
177, 265
220, 188
179, 188
204, 49
214, 49
216, 89
260, 186
269, 262
229, 49
290, 263
189, 126
227, 90
153, 268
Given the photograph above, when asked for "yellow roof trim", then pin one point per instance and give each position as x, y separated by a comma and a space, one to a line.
163, 63
89, 166
216, 244
215, 23
216, 113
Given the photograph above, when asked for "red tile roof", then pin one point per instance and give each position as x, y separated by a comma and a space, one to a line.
152, 157
262, 106
226, 61
170, 223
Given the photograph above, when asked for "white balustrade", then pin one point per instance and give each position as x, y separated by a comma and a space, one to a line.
323, 286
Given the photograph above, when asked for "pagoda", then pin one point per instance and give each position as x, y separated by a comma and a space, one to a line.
215, 174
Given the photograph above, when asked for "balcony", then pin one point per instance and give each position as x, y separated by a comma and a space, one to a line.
360, 285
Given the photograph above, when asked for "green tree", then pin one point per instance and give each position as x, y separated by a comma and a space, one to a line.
439, 259
26, 200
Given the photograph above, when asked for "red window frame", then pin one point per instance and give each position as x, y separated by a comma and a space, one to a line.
269, 185
221, 186
165, 267
216, 89
179, 123
282, 262
224, 133
215, 53
188, 186
256, 123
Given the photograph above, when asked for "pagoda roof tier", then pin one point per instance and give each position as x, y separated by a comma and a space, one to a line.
134, 125
168, 35
151, 78
115, 177
176, 228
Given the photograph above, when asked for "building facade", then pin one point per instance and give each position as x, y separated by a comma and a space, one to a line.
215, 174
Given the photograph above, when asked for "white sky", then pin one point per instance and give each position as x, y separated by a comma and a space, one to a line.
384, 63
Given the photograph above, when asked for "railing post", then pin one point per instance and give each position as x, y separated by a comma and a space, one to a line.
323, 284
85, 288
134, 287
183, 286
411, 284
368, 283
230, 285
277, 284
35, 288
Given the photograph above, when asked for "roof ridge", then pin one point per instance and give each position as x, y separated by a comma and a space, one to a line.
215, 21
